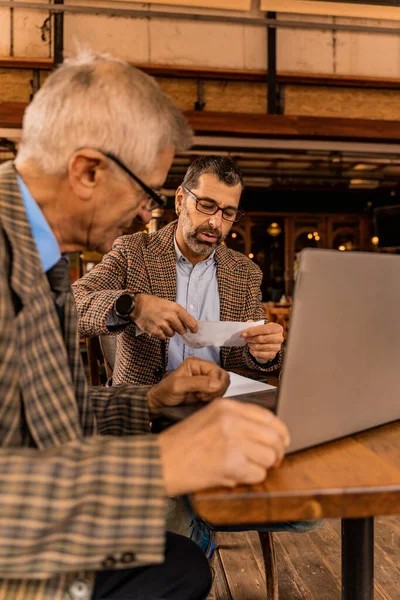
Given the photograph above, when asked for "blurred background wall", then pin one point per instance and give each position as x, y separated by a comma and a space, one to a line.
303, 94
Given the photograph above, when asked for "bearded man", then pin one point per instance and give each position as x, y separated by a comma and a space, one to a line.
165, 282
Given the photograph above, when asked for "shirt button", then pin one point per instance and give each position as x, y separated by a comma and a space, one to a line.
109, 562
127, 557
80, 589
191, 307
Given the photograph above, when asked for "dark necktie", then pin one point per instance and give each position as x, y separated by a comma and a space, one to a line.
60, 284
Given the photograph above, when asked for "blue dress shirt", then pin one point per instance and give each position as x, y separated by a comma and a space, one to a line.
197, 291
45, 240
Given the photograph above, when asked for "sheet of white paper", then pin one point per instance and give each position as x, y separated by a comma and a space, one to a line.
245, 385
218, 333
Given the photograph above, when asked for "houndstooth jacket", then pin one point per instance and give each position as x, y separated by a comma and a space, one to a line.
147, 264
80, 477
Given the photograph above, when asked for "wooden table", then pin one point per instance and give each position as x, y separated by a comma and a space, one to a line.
355, 478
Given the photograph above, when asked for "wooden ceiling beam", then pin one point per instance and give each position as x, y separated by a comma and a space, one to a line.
294, 127
259, 75
268, 126
12, 62
252, 75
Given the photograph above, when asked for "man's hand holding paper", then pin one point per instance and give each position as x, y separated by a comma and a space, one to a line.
161, 318
264, 341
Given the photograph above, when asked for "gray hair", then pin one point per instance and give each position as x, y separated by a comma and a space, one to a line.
97, 101
222, 167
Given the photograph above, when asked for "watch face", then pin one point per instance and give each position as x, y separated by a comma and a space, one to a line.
124, 304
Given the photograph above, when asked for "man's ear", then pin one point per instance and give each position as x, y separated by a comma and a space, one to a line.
178, 200
86, 169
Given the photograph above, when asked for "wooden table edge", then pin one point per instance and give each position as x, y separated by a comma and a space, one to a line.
261, 507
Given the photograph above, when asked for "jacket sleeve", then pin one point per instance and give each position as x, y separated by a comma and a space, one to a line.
120, 409
240, 358
68, 508
96, 292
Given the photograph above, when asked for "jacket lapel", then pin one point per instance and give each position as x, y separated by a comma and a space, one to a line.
25, 261
231, 287
161, 264
46, 383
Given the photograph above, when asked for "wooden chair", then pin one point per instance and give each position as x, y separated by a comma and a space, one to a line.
95, 360
101, 353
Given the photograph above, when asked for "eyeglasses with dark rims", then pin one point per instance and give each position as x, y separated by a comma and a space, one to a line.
209, 207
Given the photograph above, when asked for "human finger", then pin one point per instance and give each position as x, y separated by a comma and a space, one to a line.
187, 319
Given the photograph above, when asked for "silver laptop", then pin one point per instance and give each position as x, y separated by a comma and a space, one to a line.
341, 372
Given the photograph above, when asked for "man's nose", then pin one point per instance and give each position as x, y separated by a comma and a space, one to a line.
215, 220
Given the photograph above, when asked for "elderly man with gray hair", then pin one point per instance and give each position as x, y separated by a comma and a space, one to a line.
83, 482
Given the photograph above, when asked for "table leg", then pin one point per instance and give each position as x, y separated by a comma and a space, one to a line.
358, 559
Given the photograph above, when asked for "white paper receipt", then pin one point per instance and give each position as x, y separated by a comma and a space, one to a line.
218, 333
244, 385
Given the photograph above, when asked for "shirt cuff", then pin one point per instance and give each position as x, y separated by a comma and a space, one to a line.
115, 322
264, 363
261, 362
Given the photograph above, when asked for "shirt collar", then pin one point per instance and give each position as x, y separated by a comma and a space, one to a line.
45, 240
180, 258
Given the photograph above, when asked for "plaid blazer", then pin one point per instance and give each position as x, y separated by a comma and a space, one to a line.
80, 477
147, 264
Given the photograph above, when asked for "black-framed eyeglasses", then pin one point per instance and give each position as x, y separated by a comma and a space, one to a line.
209, 207
155, 200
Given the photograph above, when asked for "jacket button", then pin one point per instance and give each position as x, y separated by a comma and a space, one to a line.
109, 562
159, 372
127, 557
80, 589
